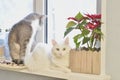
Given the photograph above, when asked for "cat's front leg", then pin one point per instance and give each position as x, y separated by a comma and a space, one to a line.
57, 66
63, 69
67, 70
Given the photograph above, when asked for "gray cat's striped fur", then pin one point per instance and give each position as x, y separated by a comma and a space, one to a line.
20, 35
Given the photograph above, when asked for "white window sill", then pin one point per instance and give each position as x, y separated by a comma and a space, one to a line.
66, 76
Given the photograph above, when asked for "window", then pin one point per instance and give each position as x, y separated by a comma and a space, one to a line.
60, 10
11, 11
57, 11
15, 10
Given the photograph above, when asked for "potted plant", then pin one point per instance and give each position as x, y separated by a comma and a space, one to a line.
86, 42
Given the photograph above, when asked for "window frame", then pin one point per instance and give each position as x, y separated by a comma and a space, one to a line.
40, 6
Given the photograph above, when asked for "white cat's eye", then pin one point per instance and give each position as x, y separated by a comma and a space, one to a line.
57, 49
64, 49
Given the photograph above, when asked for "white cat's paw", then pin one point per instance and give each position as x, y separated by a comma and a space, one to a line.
67, 71
51, 67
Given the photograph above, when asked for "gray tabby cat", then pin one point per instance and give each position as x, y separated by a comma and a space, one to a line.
22, 36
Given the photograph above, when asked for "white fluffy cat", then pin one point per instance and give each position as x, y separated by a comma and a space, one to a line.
43, 58
60, 56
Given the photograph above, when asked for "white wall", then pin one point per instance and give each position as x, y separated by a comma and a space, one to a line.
113, 39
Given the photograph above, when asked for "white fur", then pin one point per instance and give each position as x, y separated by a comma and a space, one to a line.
33, 58
38, 59
35, 26
60, 59
41, 58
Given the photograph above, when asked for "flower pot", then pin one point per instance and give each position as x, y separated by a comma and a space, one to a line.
83, 61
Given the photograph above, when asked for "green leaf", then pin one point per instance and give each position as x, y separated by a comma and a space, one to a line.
79, 16
91, 41
81, 25
78, 36
71, 24
77, 45
76, 40
68, 30
98, 31
85, 31
85, 40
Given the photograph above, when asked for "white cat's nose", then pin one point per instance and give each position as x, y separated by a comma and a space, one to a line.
61, 54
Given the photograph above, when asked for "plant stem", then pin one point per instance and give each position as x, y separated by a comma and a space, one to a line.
94, 43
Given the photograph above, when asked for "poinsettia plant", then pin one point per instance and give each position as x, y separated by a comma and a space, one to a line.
89, 26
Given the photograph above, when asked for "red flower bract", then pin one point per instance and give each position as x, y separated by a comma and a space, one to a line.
93, 16
72, 18
91, 26
97, 23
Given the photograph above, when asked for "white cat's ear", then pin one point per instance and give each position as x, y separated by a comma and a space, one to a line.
54, 42
67, 41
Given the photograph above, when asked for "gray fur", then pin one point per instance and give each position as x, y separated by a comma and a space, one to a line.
19, 37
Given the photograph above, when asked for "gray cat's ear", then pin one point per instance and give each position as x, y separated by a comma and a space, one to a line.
67, 41
42, 17
54, 42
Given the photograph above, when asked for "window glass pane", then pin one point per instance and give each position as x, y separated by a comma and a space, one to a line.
60, 10
12, 11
